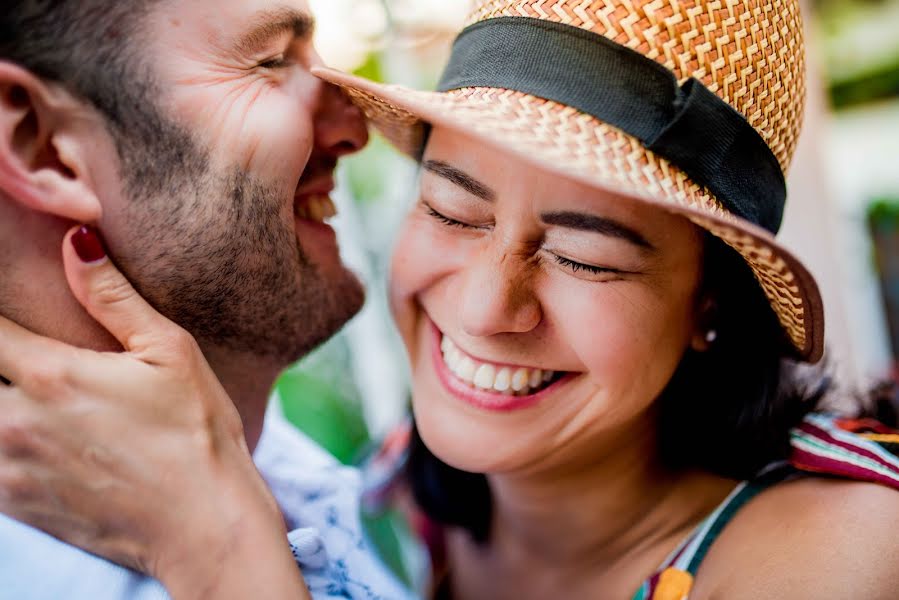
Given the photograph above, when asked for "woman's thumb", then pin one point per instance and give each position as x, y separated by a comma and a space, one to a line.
110, 298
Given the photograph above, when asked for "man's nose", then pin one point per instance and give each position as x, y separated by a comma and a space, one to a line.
340, 126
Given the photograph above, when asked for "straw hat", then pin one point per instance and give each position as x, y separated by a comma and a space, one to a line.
691, 105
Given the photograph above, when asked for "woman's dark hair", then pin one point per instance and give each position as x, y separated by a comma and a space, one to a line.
728, 410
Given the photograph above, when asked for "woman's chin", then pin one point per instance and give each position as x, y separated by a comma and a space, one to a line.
470, 453
477, 445
470, 433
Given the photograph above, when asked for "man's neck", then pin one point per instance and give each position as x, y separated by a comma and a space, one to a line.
248, 381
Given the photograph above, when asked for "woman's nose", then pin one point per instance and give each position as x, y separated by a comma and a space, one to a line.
340, 126
498, 296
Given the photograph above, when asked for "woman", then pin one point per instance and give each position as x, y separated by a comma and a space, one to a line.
599, 380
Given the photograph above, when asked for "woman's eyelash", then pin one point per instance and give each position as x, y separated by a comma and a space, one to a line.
576, 266
447, 221
565, 262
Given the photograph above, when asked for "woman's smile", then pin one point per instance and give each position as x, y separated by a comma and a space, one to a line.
491, 385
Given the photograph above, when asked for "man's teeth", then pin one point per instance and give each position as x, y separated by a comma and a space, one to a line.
316, 208
494, 378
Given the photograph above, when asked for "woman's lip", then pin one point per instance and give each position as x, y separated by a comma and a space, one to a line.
480, 398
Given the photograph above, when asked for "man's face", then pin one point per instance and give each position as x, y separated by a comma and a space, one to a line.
220, 223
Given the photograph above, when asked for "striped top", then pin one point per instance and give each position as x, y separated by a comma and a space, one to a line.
862, 450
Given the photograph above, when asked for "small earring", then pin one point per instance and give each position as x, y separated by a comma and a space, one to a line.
711, 336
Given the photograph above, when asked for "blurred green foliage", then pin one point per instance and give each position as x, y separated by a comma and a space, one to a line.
391, 535
313, 405
320, 397
866, 87
883, 214
368, 172
883, 219
860, 49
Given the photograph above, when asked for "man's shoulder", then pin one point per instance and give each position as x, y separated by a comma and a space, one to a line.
812, 538
36, 566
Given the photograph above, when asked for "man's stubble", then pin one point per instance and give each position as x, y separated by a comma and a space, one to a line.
215, 250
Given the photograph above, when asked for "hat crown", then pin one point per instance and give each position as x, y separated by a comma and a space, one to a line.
748, 52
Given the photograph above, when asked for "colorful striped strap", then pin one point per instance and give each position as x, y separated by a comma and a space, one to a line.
821, 445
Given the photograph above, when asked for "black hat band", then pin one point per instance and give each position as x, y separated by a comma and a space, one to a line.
688, 125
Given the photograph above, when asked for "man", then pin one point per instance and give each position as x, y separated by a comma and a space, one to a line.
196, 139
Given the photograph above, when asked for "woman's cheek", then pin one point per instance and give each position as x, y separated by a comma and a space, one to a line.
425, 259
409, 273
616, 333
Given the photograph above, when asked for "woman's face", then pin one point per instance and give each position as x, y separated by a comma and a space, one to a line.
542, 317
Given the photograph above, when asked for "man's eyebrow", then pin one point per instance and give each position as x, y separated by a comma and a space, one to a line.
596, 224
460, 178
269, 24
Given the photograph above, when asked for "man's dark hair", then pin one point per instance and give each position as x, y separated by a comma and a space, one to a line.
85, 45
93, 49
727, 411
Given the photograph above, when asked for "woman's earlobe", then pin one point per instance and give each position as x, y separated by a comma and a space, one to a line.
698, 342
703, 341
706, 332
40, 162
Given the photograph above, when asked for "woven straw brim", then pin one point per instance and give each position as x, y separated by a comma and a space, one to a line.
562, 140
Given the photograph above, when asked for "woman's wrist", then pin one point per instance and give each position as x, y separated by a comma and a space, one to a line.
234, 539
249, 558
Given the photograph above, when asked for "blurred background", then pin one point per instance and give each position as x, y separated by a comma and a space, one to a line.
842, 217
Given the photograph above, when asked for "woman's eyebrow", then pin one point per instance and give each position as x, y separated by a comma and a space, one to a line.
460, 178
596, 224
268, 24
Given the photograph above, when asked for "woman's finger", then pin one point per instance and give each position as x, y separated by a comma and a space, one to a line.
111, 299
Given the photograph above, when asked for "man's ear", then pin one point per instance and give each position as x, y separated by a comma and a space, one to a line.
42, 160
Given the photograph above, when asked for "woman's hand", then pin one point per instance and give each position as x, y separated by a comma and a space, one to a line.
138, 456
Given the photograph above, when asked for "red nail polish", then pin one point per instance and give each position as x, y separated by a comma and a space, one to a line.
87, 244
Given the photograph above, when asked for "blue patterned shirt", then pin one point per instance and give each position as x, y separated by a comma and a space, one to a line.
319, 499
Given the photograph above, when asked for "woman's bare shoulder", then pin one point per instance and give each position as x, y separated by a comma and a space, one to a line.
812, 538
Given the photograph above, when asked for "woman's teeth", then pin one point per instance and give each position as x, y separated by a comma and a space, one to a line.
494, 378
316, 208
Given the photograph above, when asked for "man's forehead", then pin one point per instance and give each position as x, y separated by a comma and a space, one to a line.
241, 23
269, 23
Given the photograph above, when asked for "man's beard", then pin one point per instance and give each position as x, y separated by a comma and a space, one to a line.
216, 252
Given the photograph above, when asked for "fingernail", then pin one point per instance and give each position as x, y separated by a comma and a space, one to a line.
87, 245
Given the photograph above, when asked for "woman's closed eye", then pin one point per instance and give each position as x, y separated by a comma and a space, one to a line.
449, 221
572, 266
576, 267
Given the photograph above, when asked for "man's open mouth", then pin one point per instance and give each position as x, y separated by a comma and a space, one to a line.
312, 198
314, 207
